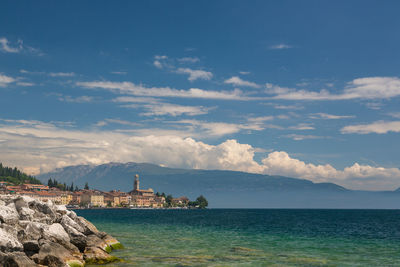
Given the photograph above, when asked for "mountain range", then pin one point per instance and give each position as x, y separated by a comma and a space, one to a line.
224, 189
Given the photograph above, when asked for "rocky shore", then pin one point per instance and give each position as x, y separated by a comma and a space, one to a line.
35, 233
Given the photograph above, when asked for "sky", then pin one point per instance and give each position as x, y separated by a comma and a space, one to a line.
305, 89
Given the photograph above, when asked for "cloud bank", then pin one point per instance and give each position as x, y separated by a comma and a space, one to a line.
40, 147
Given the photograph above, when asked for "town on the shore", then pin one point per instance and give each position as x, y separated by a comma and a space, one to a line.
74, 197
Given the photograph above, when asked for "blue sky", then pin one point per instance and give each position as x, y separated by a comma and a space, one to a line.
306, 89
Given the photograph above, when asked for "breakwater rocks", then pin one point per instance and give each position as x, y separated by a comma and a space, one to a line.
35, 233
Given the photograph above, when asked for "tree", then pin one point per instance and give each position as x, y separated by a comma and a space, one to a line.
76, 188
50, 182
202, 202
86, 186
168, 200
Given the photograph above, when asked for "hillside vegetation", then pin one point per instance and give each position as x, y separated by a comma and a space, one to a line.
15, 176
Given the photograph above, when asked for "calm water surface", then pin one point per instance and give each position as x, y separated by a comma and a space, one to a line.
229, 237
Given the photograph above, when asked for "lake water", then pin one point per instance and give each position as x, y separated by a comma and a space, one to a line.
246, 237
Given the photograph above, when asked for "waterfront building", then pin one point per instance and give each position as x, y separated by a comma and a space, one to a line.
144, 198
76, 198
111, 199
180, 202
38, 187
46, 196
66, 198
92, 198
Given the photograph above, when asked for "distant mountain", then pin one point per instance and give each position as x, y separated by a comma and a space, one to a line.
223, 188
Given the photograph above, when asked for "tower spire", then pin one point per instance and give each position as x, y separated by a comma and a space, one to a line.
136, 183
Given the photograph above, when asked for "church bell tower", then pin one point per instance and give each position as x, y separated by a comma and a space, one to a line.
136, 183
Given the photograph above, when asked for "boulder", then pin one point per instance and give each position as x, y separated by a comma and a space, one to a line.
23, 201
26, 213
34, 230
43, 208
112, 242
18, 259
9, 241
61, 209
31, 247
56, 233
72, 214
54, 254
95, 255
76, 237
67, 222
95, 241
8, 214
88, 227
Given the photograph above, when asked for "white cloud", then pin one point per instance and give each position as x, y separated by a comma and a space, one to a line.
394, 115
161, 109
300, 137
379, 127
5, 47
117, 121
40, 146
293, 107
119, 72
25, 84
5, 80
157, 64
160, 57
326, 116
362, 88
220, 128
374, 105
156, 107
79, 99
355, 177
373, 88
30, 72
280, 46
302, 127
61, 74
130, 99
49, 147
244, 72
140, 90
195, 74
239, 82
188, 60
261, 119
159, 61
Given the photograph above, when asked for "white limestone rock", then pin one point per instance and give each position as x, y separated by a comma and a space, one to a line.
9, 241
88, 226
56, 233
72, 214
26, 213
53, 254
67, 221
34, 230
8, 214
60, 209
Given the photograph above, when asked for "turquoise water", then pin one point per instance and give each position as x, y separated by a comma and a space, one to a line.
229, 237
